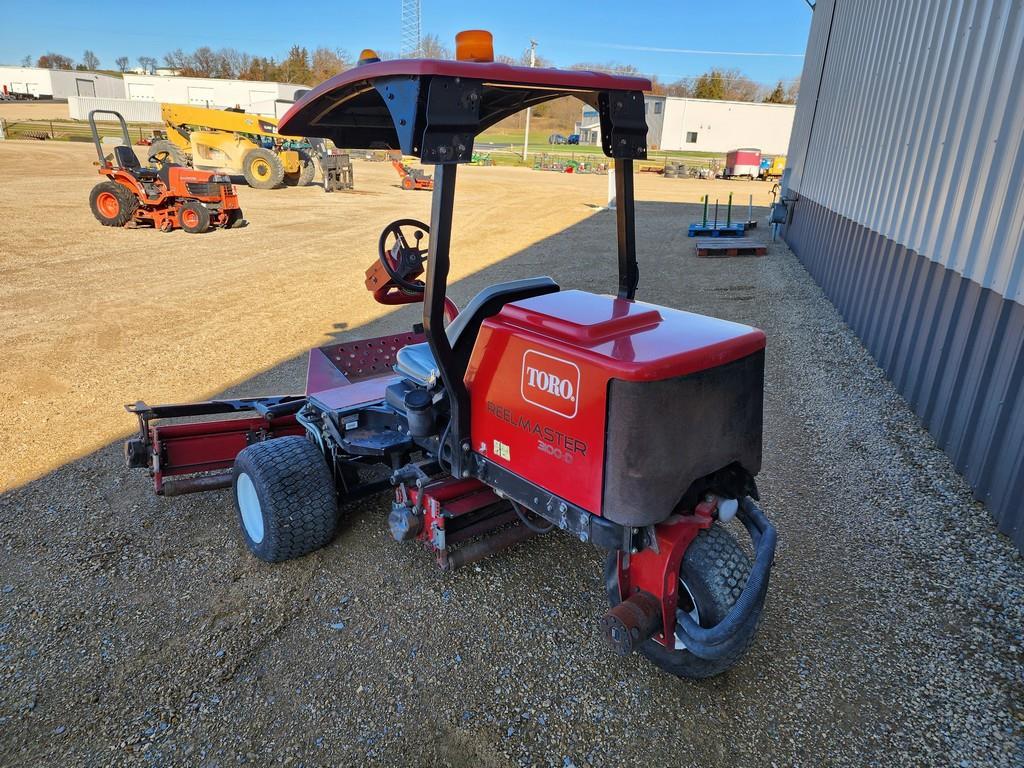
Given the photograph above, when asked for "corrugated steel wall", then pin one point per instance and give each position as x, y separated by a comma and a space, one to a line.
907, 162
919, 129
132, 110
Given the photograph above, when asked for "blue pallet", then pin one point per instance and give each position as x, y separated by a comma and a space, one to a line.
721, 230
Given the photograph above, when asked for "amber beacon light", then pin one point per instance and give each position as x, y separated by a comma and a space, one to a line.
474, 45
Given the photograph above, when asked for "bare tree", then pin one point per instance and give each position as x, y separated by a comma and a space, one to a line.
122, 63
26, 61
237, 61
793, 91
175, 59
90, 60
55, 61
539, 61
148, 64
432, 48
327, 63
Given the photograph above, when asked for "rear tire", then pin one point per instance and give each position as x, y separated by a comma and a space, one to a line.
285, 498
714, 571
112, 204
194, 217
304, 177
408, 183
175, 155
262, 169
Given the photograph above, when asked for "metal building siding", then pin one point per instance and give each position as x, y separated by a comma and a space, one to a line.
954, 349
907, 157
809, 79
919, 129
133, 110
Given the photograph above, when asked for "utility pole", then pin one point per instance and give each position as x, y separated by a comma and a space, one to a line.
526, 137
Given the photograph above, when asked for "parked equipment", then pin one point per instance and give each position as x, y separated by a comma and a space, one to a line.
631, 426
335, 166
742, 162
235, 142
412, 178
167, 196
772, 167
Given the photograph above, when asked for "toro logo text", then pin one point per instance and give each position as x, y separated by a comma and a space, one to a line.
550, 383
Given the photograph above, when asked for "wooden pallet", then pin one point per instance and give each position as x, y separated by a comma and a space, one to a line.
712, 230
740, 246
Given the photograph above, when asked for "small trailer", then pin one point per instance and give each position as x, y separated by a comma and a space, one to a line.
742, 162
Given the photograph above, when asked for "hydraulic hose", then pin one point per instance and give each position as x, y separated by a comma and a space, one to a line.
740, 623
541, 530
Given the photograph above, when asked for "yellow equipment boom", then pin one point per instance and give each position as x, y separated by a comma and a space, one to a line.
235, 142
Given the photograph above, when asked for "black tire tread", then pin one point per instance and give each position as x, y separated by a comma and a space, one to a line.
166, 145
204, 217
715, 569
297, 495
305, 174
275, 163
129, 203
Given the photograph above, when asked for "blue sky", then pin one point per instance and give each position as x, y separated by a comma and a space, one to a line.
605, 31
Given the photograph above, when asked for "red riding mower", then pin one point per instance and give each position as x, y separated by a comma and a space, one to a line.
634, 427
167, 197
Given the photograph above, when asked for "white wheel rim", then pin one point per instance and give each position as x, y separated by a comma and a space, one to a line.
694, 614
249, 505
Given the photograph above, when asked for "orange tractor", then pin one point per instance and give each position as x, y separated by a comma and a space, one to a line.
168, 197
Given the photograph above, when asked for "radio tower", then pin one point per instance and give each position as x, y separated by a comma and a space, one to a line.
410, 28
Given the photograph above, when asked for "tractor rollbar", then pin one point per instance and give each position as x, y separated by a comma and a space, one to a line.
125, 137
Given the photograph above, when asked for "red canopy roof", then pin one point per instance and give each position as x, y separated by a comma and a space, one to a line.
350, 109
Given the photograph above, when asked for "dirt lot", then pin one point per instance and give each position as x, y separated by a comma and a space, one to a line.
136, 630
33, 110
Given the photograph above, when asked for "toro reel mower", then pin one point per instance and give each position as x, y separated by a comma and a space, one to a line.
167, 197
633, 427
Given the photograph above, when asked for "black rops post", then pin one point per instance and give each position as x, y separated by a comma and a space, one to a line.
440, 126
452, 111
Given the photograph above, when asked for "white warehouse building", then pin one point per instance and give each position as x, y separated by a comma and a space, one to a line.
59, 83
251, 95
705, 125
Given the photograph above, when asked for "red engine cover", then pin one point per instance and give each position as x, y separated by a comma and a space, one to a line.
538, 378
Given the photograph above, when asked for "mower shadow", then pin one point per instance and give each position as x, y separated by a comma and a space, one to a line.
169, 606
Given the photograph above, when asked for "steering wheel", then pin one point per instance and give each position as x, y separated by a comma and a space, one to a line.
163, 157
400, 258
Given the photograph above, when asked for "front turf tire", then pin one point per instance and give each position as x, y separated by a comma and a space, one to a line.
285, 498
194, 217
714, 571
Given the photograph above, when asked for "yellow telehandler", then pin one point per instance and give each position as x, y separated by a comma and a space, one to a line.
233, 141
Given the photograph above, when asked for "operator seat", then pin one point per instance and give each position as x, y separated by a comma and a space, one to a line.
416, 361
127, 160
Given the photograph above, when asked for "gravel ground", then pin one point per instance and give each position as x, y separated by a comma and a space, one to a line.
137, 630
